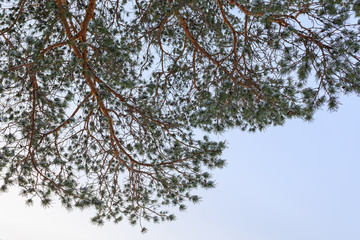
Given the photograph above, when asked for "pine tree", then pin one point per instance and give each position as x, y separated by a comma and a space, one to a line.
99, 100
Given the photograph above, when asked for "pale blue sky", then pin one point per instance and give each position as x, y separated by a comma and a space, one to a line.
296, 182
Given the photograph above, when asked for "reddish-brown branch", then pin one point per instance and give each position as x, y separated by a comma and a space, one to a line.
52, 47
16, 19
88, 16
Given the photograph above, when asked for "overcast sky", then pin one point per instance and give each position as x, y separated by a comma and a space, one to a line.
296, 182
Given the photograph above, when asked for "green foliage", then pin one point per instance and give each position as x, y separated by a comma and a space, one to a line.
99, 100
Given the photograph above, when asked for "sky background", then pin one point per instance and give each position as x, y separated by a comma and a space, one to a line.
295, 182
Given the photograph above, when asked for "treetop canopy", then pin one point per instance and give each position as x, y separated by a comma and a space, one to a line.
99, 100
